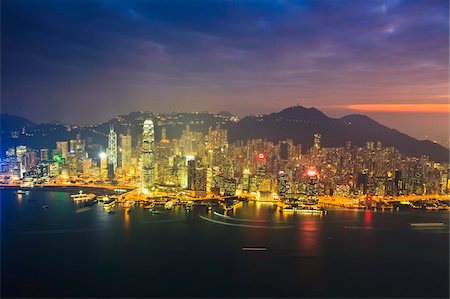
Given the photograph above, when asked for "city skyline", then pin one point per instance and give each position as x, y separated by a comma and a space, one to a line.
112, 58
225, 148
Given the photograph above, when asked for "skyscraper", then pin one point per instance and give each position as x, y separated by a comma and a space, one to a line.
125, 141
111, 151
147, 155
317, 138
64, 147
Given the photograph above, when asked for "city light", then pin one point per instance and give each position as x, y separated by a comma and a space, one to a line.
312, 172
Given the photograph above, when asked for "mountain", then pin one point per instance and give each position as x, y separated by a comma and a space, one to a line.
14, 123
300, 124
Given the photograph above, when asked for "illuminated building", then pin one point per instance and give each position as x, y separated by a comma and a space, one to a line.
163, 134
312, 187
246, 181
103, 166
200, 181
147, 155
125, 141
72, 145
63, 146
191, 174
283, 187
111, 151
317, 138
44, 154
22, 159
284, 150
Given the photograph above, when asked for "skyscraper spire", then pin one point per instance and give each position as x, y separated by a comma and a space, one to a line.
147, 155
111, 151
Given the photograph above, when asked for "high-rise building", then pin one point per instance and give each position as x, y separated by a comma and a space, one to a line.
317, 138
44, 154
64, 147
103, 166
125, 141
111, 151
191, 174
147, 155
72, 145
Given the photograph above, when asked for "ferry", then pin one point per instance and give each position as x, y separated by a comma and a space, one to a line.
150, 206
128, 204
168, 205
82, 196
27, 182
189, 205
307, 209
109, 204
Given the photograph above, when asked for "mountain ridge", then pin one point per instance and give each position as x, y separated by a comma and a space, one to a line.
296, 122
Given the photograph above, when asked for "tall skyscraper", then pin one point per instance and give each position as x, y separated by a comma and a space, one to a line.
125, 141
317, 138
103, 166
44, 154
147, 155
64, 147
111, 151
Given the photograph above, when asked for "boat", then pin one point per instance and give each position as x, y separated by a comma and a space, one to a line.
20, 191
150, 206
156, 212
302, 208
45, 206
168, 205
128, 204
189, 206
82, 196
109, 204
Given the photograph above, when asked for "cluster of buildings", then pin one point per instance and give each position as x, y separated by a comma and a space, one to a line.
206, 164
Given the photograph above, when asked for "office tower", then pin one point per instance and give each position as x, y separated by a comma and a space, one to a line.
191, 174
72, 143
200, 181
111, 151
317, 138
147, 155
63, 146
22, 159
44, 154
103, 166
282, 183
246, 181
284, 150
125, 141
163, 134
312, 187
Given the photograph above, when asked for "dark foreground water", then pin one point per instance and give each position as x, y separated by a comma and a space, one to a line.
65, 251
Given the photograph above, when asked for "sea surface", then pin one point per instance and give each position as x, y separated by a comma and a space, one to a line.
66, 250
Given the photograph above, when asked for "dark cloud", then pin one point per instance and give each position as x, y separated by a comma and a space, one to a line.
113, 57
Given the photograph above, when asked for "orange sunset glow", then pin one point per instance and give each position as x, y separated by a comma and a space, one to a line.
428, 108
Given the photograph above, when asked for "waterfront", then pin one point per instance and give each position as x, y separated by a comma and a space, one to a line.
68, 251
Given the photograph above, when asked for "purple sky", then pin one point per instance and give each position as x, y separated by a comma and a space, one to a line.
87, 61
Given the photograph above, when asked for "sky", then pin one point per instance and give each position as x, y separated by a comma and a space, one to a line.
88, 61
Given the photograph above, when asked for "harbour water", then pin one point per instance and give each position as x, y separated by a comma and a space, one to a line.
67, 250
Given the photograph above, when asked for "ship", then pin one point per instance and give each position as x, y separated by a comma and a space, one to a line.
128, 204
83, 196
168, 205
